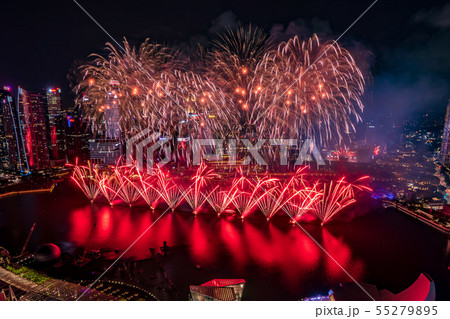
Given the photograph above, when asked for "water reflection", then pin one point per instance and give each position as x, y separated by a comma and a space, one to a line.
279, 261
341, 256
216, 242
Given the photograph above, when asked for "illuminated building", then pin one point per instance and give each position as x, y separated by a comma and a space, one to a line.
445, 150
104, 151
12, 154
219, 289
76, 137
53, 110
105, 147
33, 128
60, 132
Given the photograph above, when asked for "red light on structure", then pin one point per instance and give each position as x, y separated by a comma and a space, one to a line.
376, 151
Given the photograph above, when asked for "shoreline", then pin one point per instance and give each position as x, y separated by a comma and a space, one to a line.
400, 207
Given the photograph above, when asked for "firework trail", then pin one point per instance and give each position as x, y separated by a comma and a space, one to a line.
220, 200
248, 197
144, 186
195, 195
301, 203
87, 179
246, 86
296, 196
293, 197
151, 89
315, 87
127, 177
109, 186
336, 196
168, 190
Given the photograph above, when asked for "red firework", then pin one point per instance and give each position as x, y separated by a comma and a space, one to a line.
144, 186
194, 195
337, 195
296, 196
87, 180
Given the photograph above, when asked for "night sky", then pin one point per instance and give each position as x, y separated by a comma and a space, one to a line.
405, 44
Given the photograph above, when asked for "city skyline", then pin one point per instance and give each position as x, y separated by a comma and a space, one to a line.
400, 61
230, 150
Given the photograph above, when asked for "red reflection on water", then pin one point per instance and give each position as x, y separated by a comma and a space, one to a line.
203, 241
81, 224
165, 229
129, 226
258, 243
296, 253
342, 254
232, 239
124, 225
104, 223
283, 251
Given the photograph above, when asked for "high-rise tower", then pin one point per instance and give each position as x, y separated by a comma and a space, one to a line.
105, 147
53, 110
31, 110
12, 152
445, 147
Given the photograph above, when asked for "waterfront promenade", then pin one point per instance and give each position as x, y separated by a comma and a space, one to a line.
51, 289
421, 217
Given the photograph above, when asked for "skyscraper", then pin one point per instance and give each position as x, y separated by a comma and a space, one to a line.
445, 150
77, 137
105, 147
60, 130
31, 110
53, 109
12, 153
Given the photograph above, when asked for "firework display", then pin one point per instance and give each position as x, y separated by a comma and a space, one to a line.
245, 85
242, 195
336, 195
